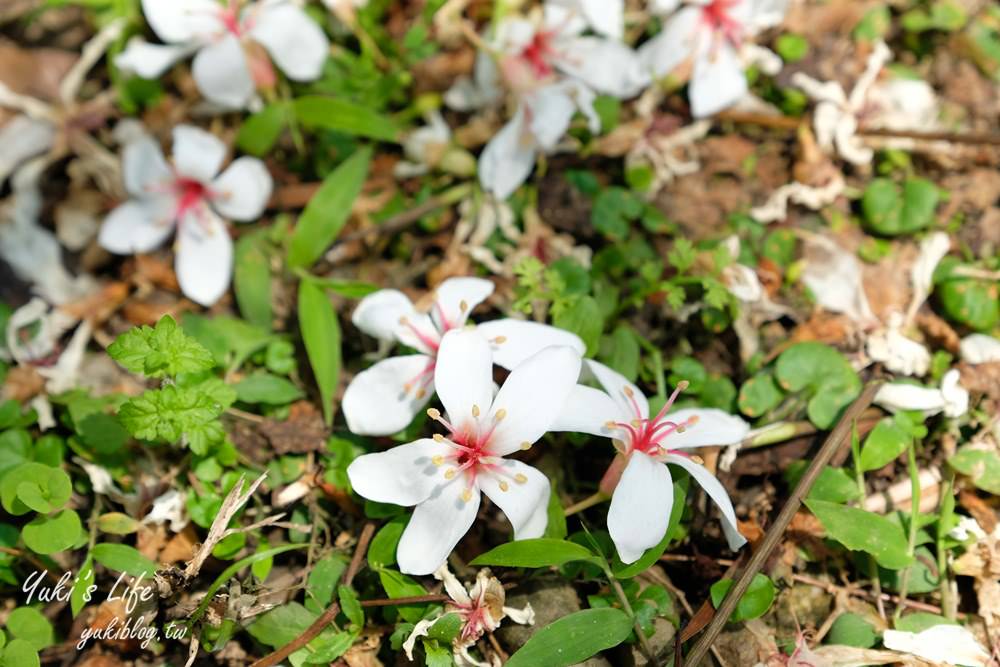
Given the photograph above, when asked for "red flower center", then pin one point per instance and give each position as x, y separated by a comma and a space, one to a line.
716, 15
646, 435
539, 53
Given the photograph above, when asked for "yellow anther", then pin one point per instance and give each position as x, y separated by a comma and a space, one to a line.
500, 339
420, 393
463, 306
438, 460
520, 479
504, 486
637, 423
680, 428
475, 411
403, 320
692, 420
610, 424
438, 437
525, 445
466, 495
682, 385
628, 391
449, 473
500, 414
697, 459
433, 413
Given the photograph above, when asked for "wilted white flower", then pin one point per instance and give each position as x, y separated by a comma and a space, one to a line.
190, 195
979, 349
234, 43
642, 498
713, 36
952, 399
444, 476
383, 399
940, 644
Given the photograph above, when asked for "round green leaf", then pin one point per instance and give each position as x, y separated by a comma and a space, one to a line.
758, 395
29, 624
20, 653
852, 630
885, 442
49, 534
754, 603
25, 472
980, 464
974, 303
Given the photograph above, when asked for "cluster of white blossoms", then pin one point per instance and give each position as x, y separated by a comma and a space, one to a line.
444, 476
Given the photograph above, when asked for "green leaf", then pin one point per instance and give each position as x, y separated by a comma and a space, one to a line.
981, 464
50, 534
12, 480
919, 621
759, 394
123, 558
350, 606
48, 491
382, 550
755, 601
321, 336
682, 255
556, 526
583, 317
252, 278
79, 595
20, 653
613, 211
622, 351
15, 449
282, 624
791, 47
323, 582
891, 211
850, 629
262, 387
171, 412
824, 374
538, 552
885, 442
574, 638
974, 303
102, 433
833, 485
859, 530
333, 113
398, 585
162, 351
260, 131
446, 628
29, 624
327, 211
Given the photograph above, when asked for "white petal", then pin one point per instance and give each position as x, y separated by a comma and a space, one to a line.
404, 475
242, 191
295, 42
640, 507
607, 66
618, 388
136, 226
223, 76
552, 108
979, 349
588, 410
385, 398
508, 158
956, 397
897, 396
933, 248
532, 396
606, 17
717, 493
380, 313
197, 154
768, 13
663, 7
23, 137
944, 644
674, 44
182, 20
454, 293
204, 256
150, 60
144, 169
525, 504
436, 526
717, 80
464, 375
713, 427
522, 338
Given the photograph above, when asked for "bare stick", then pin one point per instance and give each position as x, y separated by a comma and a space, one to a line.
774, 533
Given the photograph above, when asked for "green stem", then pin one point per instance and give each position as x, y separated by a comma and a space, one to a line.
944, 524
586, 503
616, 586
911, 545
859, 477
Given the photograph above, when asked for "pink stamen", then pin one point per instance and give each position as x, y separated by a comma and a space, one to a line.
230, 18
446, 324
539, 53
647, 435
716, 15
424, 338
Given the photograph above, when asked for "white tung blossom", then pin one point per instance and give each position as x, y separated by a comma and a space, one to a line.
640, 505
444, 476
713, 36
952, 398
234, 43
384, 398
189, 194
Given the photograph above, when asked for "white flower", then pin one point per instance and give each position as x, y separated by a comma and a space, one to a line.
944, 644
895, 351
168, 508
979, 349
191, 195
444, 476
234, 43
640, 506
481, 609
713, 34
952, 399
383, 399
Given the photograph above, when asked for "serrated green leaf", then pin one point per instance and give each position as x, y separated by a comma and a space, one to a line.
574, 638
327, 211
161, 351
171, 412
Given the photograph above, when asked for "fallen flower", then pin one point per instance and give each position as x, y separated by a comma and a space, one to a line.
712, 35
481, 609
234, 42
191, 196
898, 353
643, 495
952, 399
384, 398
979, 349
445, 475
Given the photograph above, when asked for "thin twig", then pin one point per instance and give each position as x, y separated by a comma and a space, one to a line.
833, 443
329, 614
